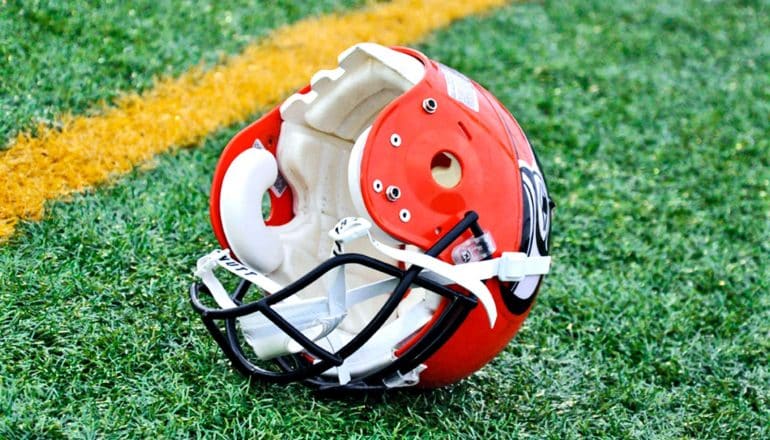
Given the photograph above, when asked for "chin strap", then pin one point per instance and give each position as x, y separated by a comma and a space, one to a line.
317, 317
221, 257
468, 279
511, 266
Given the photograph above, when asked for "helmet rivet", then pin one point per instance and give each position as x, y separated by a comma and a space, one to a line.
429, 105
377, 185
395, 140
393, 192
405, 215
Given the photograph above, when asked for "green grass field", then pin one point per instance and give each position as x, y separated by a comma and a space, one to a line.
652, 120
66, 56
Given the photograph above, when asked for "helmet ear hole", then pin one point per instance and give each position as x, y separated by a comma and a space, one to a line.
446, 169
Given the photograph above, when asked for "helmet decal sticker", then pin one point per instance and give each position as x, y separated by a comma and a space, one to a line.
535, 238
460, 87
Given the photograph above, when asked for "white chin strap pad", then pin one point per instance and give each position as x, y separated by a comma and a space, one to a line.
246, 180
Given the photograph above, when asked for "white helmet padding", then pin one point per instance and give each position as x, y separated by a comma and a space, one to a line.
314, 147
346, 100
250, 175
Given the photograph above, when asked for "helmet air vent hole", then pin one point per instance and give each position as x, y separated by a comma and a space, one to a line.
395, 140
446, 169
377, 185
405, 215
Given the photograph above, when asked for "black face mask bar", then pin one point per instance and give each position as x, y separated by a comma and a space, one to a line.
298, 367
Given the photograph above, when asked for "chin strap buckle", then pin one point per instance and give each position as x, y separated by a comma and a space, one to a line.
398, 380
349, 229
209, 262
515, 266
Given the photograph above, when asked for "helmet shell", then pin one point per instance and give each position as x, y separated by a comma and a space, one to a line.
469, 124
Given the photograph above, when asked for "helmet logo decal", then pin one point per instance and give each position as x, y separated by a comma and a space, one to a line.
537, 211
535, 237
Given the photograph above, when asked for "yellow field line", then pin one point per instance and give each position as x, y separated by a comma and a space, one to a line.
180, 111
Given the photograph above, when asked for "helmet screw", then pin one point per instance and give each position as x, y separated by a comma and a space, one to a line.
393, 192
395, 140
429, 105
377, 185
405, 215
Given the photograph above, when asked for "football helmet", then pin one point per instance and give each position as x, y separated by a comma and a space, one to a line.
406, 233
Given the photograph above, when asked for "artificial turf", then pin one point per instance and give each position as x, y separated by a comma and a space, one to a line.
651, 120
58, 57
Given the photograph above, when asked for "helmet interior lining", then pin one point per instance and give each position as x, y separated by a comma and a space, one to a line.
314, 156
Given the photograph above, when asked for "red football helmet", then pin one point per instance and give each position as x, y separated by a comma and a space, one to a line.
407, 233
